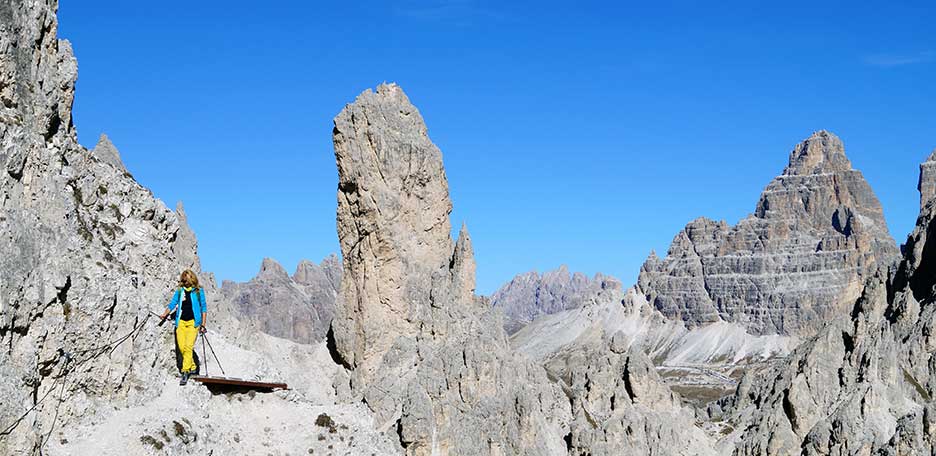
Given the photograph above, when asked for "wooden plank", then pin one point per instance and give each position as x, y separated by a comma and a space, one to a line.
238, 382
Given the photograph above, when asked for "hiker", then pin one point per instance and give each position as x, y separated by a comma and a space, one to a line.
188, 303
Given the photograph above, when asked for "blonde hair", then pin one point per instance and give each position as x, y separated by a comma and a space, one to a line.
188, 279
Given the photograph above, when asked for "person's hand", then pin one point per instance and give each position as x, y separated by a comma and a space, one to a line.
203, 329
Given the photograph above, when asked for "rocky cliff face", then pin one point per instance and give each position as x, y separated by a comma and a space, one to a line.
531, 295
817, 233
864, 384
299, 308
927, 184
88, 253
106, 152
428, 357
87, 250
91, 253
621, 405
728, 299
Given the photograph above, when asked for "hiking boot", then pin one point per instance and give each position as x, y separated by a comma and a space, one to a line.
184, 379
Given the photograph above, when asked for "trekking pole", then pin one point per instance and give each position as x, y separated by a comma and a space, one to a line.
160, 317
204, 354
213, 353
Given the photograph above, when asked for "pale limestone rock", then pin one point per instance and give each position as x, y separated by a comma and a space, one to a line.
393, 223
818, 232
531, 295
865, 383
428, 357
185, 245
299, 308
88, 252
108, 153
620, 404
927, 184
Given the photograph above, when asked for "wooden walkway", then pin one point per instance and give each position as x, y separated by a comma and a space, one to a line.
237, 383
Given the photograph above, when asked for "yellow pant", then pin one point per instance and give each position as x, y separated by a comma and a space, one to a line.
186, 333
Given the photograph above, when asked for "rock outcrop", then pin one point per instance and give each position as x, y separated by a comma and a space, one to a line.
530, 295
621, 405
106, 152
88, 252
865, 383
299, 308
927, 183
185, 244
427, 356
817, 233
88, 255
431, 359
393, 224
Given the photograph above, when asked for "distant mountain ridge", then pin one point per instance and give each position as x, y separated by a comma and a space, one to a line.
817, 233
415, 363
298, 307
531, 295
726, 298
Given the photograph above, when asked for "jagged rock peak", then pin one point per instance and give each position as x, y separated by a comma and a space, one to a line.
393, 219
822, 152
927, 183
426, 356
271, 269
304, 265
107, 152
530, 295
307, 272
88, 252
185, 245
328, 271
463, 267
819, 221
38, 78
299, 308
864, 384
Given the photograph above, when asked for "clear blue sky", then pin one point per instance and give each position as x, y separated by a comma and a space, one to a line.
585, 133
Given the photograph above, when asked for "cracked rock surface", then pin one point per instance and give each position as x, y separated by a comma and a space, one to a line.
298, 307
413, 362
87, 250
426, 355
431, 359
88, 253
817, 233
531, 295
864, 384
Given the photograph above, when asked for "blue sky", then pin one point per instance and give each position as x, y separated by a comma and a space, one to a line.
584, 133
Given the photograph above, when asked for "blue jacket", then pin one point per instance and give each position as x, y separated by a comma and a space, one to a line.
199, 306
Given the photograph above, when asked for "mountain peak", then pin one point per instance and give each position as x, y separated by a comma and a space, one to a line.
820, 201
107, 152
822, 152
927, 182
271, 269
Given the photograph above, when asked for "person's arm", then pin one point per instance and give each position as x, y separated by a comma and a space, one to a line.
204, 311
172, 305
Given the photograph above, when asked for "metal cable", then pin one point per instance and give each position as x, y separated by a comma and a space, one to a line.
63, 374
